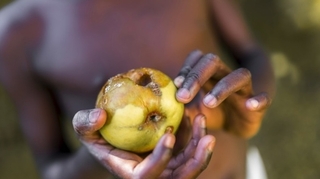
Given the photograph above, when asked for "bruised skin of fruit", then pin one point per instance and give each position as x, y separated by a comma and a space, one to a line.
141, 106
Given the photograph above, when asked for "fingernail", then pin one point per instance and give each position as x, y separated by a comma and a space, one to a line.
169, 142
178, 81
253, 103
203, 122
210, 146
184, 93
93, 116
210, 100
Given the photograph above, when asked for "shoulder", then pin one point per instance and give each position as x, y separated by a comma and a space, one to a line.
18, 11
27, 16
20, 22
19, 19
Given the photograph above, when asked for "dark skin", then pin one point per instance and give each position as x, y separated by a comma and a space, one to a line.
56, 55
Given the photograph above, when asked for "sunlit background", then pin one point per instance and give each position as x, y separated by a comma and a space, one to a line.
289, 140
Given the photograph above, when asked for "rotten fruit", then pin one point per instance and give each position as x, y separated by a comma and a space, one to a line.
141, 106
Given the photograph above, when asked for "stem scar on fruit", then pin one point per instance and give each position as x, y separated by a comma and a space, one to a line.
169, 129
153, 118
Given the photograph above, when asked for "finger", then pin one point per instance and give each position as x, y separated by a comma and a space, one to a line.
125, 164
157, 161
183, 134
238, 81
199, 131
87, 122
189, 63
119, 162
258, 102
205, 68
194, 166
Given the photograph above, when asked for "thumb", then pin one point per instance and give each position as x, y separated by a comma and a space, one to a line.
87, 122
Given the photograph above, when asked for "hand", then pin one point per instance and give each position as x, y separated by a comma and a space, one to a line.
189, 163
229, 90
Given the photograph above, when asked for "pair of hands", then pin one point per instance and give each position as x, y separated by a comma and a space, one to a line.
243, 117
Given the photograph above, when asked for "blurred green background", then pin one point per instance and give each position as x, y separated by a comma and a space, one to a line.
289, 139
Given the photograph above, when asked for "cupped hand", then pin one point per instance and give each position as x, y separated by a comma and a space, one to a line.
229, 90
160, 163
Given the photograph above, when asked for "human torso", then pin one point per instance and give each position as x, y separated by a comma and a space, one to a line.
84, 43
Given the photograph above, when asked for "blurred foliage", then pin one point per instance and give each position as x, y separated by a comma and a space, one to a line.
4, 2
304, 13
289, 139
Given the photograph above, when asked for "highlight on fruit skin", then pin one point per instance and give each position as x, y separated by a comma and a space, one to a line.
141, 107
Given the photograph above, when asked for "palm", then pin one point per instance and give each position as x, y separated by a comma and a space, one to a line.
238, 118
189, 163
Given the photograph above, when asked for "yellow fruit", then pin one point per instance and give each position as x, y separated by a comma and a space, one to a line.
141, 106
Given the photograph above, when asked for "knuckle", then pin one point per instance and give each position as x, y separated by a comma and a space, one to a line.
211, 62
218, 94
245, 72
184, 71
193, 77
212, 58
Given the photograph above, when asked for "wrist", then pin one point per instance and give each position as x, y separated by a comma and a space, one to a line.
259, 64
252, 55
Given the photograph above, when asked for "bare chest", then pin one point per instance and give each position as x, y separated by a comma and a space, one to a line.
86, 44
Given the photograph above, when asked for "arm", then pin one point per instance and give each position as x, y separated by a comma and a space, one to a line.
39, 118
243, 47
38, 114
242, 96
